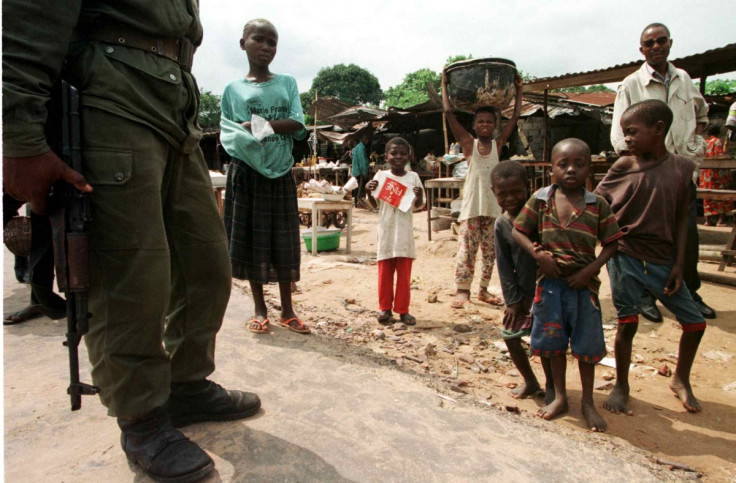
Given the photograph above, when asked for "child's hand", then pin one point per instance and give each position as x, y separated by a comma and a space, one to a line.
674, 281
547, 264
508, 316
514, 309
371, 185
246, 125
579, 280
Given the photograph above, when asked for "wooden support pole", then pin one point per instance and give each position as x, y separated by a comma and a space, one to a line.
545, 152
316, 141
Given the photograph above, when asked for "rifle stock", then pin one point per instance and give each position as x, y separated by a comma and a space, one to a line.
70, 222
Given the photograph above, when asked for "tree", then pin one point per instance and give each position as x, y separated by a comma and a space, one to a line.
413, 89
349, 83
457, 58
209, 109
718, 87
306, 99
580, 89
526, 77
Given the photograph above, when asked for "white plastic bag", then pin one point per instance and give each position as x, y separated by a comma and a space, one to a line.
260, 127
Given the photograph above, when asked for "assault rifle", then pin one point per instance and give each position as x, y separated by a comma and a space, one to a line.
70, 219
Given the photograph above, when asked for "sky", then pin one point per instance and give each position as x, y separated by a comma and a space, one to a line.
393, 38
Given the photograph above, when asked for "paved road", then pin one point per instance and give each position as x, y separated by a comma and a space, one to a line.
328, 416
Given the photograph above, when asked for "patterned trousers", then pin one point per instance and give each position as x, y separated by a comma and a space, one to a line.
475, 233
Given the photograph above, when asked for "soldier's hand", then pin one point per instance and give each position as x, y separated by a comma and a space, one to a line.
30, 178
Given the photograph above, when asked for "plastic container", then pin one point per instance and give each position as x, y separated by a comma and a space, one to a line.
333, 196
327, 240
481, 82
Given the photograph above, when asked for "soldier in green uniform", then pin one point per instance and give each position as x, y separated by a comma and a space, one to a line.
159, 267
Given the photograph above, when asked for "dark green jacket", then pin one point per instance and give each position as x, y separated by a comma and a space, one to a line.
140, 86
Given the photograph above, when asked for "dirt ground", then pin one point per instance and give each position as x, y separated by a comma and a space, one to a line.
460, 352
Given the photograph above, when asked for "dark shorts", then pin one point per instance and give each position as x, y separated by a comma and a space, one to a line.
562, 315
630, 276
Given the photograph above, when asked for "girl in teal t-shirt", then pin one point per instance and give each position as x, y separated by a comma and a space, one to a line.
261, 215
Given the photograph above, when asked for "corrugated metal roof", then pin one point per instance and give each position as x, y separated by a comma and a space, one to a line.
601, 99
710, 62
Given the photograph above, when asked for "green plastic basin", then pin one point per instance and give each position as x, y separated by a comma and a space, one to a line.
326, 241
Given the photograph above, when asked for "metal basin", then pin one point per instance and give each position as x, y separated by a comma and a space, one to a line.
481, 82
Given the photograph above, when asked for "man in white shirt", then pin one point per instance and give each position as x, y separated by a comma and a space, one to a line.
659, 79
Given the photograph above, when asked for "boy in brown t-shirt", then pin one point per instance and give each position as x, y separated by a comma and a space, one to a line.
649, 194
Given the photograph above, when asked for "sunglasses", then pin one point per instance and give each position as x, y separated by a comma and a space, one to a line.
649, 43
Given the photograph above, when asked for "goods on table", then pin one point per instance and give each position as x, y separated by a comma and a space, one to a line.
481, 82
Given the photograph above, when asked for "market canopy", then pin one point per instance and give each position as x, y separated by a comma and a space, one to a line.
355, 115
327, 107
710, 62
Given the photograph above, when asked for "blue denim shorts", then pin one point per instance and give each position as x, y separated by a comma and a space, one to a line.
562, 315
630, 276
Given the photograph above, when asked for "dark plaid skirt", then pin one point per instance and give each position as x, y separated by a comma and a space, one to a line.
262, 224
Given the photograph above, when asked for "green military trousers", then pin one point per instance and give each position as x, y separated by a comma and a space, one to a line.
160, 272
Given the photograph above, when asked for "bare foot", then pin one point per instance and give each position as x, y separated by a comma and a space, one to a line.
554, 409
462, 297
596, 423
617, 401
685, 394
525, 390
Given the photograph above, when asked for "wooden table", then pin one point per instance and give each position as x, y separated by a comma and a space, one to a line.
729, 254
719, 162
434, 187
536, 181
318, 205
545, 177
219, 181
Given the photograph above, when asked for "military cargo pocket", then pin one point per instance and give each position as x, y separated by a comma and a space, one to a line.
114, 216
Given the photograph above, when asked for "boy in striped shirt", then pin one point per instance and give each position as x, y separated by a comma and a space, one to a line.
568, 221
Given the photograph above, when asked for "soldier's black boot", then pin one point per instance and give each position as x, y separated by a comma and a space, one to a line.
194, 402
162, 451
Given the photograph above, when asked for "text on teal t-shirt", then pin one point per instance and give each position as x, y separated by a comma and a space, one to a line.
277, 98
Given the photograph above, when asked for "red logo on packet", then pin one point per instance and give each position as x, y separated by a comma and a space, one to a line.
392, 192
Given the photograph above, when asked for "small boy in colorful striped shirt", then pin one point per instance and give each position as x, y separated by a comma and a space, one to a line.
568, 220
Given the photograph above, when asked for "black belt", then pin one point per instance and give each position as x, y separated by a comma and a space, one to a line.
180, 50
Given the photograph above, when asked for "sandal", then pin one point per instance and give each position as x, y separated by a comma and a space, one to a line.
491, 300
262, 326
459, 304
295, 325
408, 319
27, 313
384, 317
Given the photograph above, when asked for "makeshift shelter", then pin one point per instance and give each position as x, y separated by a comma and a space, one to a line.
587, 117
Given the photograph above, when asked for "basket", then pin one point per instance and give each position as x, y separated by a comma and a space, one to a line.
17, 236
326, 240
481, 82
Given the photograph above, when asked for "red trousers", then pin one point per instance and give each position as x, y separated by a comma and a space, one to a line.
386, 298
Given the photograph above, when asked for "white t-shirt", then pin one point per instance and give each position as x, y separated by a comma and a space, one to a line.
478, 198
396, 227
